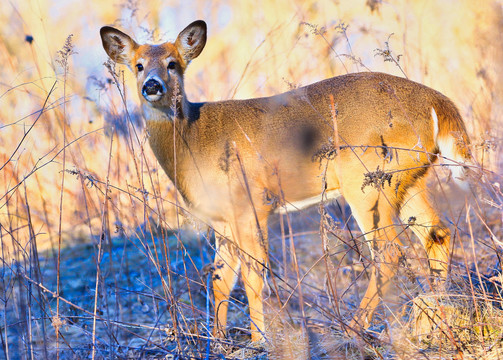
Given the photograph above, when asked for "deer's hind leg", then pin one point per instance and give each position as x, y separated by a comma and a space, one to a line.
417, 212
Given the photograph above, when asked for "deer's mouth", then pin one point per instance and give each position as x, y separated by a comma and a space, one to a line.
152, 97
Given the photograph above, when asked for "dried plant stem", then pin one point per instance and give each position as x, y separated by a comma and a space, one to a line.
57, 320
37, 275
332, 285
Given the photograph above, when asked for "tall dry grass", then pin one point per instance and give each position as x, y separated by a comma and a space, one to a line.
92, 266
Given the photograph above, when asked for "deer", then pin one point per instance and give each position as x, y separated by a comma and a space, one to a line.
236, 162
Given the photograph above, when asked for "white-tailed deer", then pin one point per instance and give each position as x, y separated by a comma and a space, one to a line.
370, 137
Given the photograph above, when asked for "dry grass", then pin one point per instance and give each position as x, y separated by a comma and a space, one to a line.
92, 264
465, 317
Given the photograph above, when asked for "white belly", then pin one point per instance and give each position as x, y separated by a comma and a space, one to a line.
305, 203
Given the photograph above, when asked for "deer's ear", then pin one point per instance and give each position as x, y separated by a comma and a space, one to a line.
117, 45
191, 40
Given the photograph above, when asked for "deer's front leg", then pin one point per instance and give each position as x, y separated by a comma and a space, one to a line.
253, 245
225, 275
252, 271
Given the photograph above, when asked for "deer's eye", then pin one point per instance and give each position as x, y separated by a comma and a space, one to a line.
171, 65
139, 67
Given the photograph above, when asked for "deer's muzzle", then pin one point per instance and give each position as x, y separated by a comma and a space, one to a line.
152, 90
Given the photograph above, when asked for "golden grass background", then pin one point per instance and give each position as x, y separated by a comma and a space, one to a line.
254, 48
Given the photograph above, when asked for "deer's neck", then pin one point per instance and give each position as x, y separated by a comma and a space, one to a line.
176, 111
169, 138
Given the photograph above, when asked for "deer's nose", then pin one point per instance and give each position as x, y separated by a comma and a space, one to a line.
152, 87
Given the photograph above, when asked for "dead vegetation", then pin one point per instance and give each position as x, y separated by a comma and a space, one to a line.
93, 262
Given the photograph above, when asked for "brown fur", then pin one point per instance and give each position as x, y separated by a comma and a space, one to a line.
231, 155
